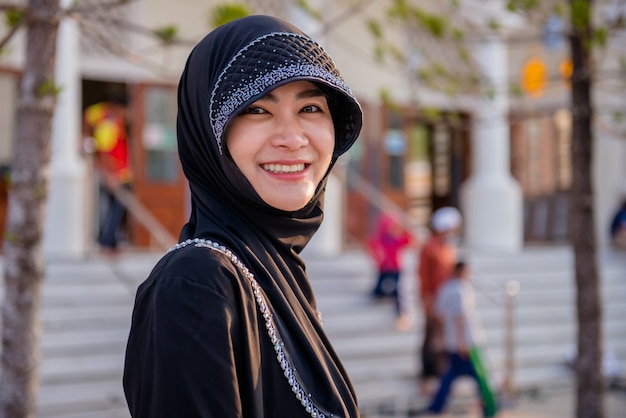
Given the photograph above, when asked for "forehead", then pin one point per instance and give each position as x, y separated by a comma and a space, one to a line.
300, 88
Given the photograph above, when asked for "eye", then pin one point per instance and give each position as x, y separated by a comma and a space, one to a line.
253, 110
311, 109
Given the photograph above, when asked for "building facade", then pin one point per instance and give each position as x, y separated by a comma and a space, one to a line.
504, 161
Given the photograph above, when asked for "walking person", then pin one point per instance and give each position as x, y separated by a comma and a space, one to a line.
436, 264
226, 325
386, 246
463, 339
618, 227
105, 127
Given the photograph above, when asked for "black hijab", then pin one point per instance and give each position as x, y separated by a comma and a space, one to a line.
229, 69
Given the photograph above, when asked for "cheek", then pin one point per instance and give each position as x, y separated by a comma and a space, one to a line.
239, 144
326, 142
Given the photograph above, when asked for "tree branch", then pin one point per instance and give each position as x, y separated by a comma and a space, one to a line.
12, 6
84, 16
105, 5
118, 49
336, 21
9, 35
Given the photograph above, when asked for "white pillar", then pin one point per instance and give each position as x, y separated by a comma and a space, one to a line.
327, 241
609, 169
65, 232
491, 199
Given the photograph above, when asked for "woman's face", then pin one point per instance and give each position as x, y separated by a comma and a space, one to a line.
283, 143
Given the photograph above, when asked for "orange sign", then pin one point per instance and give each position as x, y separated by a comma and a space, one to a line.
565, 70
534, 77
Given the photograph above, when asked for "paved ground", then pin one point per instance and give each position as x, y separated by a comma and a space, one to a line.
86, 310
546, 403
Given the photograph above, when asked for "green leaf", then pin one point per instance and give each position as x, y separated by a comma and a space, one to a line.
166, 34
307, 8
464, 54
431, 113
494, 25
521, 5
224, 13
399, 10
457, 34
49, 88
560, 10
436, 25
581, 13
515, 90
600, 37
13, 17
374, 27
439, 69
425, 75
379, 52
451, 88
396, 53
387, 99
39, 191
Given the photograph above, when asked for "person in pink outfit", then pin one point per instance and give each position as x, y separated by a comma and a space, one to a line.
386, 246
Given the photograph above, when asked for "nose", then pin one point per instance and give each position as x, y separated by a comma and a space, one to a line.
289, 133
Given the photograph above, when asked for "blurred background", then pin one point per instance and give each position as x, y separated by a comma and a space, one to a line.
467, 104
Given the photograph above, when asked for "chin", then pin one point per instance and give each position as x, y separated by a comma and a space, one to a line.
290, 206
288, 200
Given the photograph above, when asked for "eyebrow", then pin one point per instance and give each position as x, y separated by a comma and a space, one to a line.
304, 94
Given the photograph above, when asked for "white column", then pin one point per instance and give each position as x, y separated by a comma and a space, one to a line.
65, 231
327, 241
491, 199
609, 169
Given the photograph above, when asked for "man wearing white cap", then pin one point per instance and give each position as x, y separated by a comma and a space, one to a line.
436, 265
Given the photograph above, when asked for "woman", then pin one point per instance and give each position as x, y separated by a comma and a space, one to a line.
386, 246
226, 324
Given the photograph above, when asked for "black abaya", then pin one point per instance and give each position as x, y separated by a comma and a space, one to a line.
199, 343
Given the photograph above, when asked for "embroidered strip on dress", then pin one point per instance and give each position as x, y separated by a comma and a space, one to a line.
305, 398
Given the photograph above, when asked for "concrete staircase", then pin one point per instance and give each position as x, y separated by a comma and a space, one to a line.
383, 362
87, 306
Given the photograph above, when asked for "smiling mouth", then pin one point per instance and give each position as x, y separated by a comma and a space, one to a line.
283, 168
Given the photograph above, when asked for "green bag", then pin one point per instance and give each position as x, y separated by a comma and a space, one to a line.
490, 404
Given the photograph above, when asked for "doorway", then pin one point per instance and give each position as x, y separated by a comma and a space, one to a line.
158, 185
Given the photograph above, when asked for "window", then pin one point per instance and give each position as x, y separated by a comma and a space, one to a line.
159, 135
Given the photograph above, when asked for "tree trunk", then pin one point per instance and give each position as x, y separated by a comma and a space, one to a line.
23, 259
590, 389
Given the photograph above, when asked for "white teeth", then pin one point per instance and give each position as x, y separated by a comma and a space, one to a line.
281, 168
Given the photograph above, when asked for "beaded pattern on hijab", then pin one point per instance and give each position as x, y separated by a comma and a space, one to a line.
264, 62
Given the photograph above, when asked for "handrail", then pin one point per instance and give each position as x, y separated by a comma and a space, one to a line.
377, 198
144, 217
